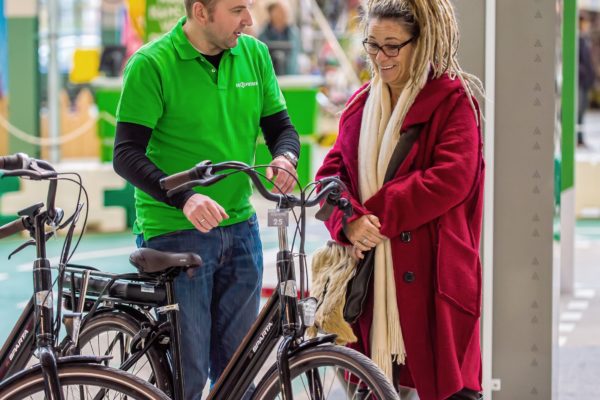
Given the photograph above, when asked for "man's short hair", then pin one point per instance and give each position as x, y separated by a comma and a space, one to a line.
189, 4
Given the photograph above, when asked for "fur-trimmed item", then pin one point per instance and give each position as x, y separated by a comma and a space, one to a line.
332, 268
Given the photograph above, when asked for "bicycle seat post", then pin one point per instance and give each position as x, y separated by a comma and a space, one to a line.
173, 319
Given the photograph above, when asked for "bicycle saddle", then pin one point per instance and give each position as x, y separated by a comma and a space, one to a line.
152, 261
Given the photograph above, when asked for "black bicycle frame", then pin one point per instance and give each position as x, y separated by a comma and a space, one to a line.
17, 347
278, 318
37, 320
251, 353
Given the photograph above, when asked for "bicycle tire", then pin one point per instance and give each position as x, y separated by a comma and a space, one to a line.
364, 380
82, 382
119, 326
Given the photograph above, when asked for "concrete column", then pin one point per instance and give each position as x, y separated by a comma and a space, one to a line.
476, 55
23, 76
526, 279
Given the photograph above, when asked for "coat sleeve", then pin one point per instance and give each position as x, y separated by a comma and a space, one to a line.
409, 201
333, 165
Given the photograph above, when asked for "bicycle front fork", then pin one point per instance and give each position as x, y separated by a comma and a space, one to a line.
52, 387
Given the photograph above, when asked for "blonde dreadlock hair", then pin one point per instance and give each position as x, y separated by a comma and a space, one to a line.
433, 25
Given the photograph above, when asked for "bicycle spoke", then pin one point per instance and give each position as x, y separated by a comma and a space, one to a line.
335, 373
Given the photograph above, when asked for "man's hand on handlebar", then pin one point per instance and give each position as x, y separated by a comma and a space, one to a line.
285, 179
204, 212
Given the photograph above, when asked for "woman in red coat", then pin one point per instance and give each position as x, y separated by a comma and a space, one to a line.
421, 322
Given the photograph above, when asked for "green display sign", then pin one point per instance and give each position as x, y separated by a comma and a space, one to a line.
161, 15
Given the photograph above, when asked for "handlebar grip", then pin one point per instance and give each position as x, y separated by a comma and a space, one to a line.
13, 227
15, 161
175, 180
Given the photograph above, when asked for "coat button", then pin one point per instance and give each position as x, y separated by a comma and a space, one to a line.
409, 277
405, 237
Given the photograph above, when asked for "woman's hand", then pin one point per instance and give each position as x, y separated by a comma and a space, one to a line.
364, 234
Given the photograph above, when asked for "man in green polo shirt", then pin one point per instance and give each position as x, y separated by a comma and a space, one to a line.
201, 92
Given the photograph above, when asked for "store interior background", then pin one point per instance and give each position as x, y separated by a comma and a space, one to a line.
77, 129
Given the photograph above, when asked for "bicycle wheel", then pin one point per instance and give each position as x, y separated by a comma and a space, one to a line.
329, 372
111, 334
81, 382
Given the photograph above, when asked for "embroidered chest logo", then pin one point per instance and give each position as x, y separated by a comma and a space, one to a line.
243, 85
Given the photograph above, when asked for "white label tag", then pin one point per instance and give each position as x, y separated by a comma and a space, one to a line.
278, 218
147, 289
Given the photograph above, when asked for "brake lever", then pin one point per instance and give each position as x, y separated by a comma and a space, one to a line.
30, 242
325, 211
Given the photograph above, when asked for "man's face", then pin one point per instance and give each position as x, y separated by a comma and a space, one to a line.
227, 21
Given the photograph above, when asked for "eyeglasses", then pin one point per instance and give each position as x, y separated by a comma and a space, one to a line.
390, 50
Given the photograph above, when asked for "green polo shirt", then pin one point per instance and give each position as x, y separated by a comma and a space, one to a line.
198, 113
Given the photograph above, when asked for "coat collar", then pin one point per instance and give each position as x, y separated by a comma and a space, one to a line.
430, 97
428, 100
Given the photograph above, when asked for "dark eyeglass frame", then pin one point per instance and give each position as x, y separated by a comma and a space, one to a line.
390, 50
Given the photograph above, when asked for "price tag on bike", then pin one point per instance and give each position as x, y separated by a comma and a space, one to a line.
278, 218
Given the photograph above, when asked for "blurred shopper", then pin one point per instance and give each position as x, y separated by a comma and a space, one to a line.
587, 76
203, 92
282, 38
421, 321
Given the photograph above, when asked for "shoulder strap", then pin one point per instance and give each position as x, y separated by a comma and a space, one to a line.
405, 142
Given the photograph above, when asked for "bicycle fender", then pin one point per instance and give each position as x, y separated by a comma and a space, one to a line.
82, 359
314, 342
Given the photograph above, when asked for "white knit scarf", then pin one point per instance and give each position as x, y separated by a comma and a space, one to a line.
379, 134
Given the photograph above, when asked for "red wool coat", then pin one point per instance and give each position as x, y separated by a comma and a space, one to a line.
431, 211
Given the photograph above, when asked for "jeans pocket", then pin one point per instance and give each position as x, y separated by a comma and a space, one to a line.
253, 220
176, 241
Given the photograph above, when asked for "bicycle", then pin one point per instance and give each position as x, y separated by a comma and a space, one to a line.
54, 378
316, 366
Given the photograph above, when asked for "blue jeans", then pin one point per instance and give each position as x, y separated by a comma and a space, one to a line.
218, 301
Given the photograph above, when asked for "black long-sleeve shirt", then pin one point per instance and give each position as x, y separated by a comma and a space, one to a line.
130, 160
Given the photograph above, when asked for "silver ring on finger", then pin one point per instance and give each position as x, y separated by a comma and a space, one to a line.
202, 220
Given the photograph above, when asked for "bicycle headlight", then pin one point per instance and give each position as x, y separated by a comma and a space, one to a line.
308, 309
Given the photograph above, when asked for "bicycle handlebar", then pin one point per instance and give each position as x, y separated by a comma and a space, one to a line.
21, 165
15, 161
13, 227
205, 174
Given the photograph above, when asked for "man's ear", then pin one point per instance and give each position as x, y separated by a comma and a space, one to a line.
200, 12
